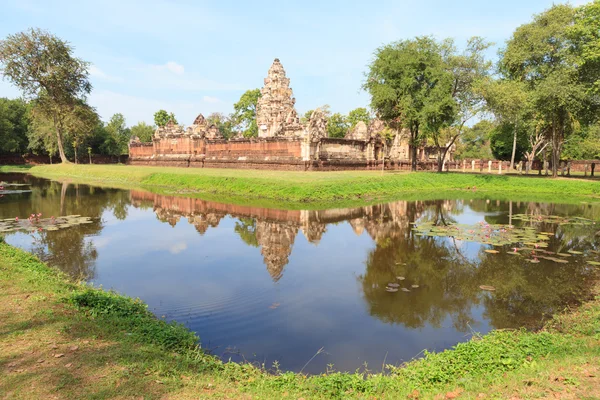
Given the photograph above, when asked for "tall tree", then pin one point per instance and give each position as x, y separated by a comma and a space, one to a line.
469, 69
79, 124
161, 118
143, 131
14, 123
118, 135
359, 114
337, 126
585, 35
508, 100
401, 80
244, 115
42, 135
43, 67
540, 54
223, 122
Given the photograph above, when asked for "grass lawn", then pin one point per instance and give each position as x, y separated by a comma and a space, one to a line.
61, 340
292, 189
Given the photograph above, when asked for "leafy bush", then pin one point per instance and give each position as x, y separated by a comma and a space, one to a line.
133, 317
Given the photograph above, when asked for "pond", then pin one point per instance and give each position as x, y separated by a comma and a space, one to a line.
359, 286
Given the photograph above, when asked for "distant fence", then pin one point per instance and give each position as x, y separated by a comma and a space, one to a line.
32, 159
565, 168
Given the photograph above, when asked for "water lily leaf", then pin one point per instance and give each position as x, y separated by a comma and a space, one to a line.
487, 287
414, 286
492, 251
574, 252
391, 290
595, 263
400, 278
405, 289
393, 285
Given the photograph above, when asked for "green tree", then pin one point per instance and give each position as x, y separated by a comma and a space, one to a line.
501, 141
337, 126
161, 118
469, 69
244, 116
42, 66
14, 123
359, 114
41, 135
585, 35
223, 123
79, 124
508, 101
118, 135
475, 141
405, 80
541, 55
143, 131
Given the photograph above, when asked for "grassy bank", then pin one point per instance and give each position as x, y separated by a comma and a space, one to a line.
64, 340
316, 188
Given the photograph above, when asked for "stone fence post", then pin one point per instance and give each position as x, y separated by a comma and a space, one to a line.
473, 165
490, 166
499, 167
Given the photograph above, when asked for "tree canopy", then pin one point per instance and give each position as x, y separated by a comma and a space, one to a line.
43, 67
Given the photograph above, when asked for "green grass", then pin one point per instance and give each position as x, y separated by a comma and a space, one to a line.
59, 337
292, 189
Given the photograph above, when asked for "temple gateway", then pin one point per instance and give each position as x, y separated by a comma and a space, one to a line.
283, 141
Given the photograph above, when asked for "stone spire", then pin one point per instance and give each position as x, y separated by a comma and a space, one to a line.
275, 112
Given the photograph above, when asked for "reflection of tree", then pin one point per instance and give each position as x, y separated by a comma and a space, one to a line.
246, 228
449, 282
444, 279
68, 249
527, 293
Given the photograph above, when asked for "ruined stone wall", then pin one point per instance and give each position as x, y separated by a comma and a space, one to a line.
343, 149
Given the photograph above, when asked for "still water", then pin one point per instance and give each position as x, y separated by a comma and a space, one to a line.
270, 285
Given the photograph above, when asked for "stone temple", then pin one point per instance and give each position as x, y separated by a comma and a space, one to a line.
283, 141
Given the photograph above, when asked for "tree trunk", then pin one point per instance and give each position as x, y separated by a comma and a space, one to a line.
554, 151
514, 149
75, 149
414, 134
440, 160
59, 142
61, 151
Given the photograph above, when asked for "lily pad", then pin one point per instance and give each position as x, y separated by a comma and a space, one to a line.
492, 251
595, 263
487, 287
391, 290
393, 285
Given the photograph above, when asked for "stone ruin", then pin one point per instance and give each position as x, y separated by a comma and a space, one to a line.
275, 111
200, 128
283, 141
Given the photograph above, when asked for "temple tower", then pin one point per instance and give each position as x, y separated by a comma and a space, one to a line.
275, 112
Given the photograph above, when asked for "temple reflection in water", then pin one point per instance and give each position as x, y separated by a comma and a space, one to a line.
274, 231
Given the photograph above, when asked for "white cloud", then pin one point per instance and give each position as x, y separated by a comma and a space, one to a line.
211, 100
97, 73
170, 66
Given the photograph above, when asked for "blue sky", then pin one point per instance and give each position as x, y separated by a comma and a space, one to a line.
191, 56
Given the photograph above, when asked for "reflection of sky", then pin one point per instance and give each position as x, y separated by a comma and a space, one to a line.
220, 287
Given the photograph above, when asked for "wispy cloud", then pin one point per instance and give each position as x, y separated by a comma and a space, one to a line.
97, 73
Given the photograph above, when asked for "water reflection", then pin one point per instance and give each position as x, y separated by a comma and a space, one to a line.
283, 283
